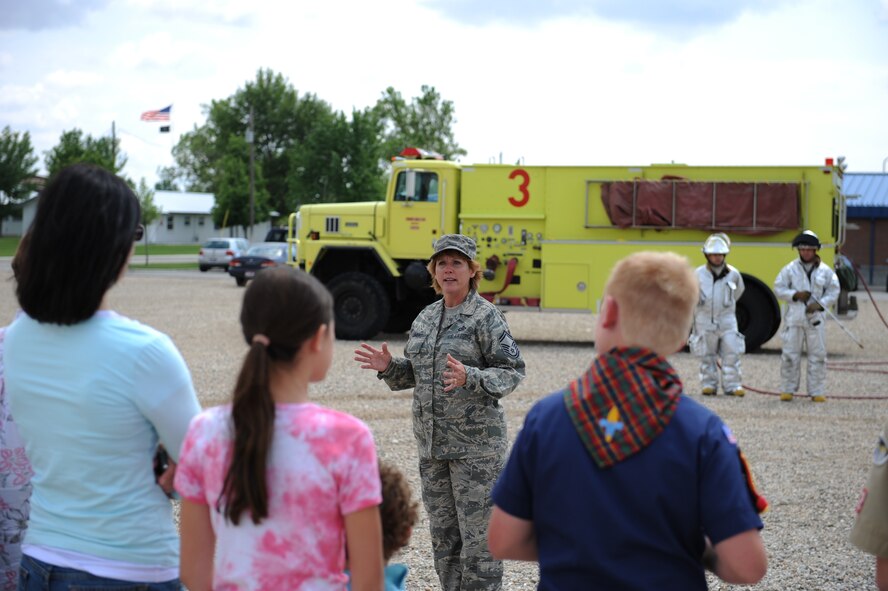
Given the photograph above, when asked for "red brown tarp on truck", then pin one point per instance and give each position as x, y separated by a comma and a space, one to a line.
749, 208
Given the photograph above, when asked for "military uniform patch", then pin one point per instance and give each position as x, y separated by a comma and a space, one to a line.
729, 435
880, 456
509, 346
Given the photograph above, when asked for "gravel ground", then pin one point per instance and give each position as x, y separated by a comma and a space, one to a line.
810, 460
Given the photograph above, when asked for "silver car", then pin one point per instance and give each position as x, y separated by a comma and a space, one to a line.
218, 252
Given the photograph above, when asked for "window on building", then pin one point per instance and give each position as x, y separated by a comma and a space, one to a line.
200, 220
170, 222
187, 220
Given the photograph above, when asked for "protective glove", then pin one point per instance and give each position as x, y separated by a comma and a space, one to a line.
801, 296
813, 307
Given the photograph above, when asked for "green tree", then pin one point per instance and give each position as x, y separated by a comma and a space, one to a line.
306, 151
168, 179
232, 206
301, 146
196, 155
17, 170
150, 211
427, 122
363, 167
74, 147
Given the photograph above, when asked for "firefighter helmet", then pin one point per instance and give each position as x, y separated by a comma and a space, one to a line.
717, 244
806, 238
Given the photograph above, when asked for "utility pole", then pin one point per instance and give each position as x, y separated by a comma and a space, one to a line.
250, 140
113, 148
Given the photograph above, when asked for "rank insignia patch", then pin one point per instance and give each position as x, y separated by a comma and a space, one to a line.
509, 346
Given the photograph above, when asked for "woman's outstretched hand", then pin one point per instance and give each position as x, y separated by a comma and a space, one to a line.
372, 358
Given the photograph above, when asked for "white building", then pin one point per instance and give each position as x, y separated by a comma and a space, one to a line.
185, 218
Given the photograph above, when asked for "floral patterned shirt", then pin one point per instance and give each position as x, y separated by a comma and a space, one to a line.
322, 466
15, 490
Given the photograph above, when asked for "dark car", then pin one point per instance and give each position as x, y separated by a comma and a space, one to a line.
259, 256
276, 234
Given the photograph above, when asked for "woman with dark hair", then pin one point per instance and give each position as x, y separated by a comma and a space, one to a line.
93, 393
276, 489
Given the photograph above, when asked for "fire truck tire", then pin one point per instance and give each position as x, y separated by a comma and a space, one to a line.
360, 306
402, 316
758, 313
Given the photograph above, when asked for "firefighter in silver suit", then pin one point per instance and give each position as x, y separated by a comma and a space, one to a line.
715, 335
807, 286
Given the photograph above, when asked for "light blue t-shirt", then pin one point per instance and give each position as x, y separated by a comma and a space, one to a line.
91, 401
395, 577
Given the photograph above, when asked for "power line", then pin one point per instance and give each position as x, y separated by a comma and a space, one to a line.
140, 138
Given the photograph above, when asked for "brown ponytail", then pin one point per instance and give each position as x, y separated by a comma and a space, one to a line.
282, 308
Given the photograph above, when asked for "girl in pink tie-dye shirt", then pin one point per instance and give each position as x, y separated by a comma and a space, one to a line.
275, 489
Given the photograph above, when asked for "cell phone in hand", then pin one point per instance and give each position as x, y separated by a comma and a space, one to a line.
161, 461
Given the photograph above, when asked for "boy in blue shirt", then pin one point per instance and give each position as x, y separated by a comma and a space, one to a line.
619, 481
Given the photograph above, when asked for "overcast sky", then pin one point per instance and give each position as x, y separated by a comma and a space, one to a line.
548, 81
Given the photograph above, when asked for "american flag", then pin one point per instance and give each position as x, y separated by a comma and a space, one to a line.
160, 115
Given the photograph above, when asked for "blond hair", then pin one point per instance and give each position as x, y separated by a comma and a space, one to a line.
656, 293
474, 265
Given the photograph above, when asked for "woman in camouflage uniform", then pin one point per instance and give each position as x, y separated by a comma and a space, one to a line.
460, 359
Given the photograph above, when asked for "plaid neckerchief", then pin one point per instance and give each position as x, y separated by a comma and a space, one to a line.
622, 403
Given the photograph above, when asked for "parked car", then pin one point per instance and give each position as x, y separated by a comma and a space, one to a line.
276, 234
279, 234
258, 257
218, 252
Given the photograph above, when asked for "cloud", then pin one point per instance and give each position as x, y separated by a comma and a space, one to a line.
15, 95
653, 14
36, 15
224, 12
72, 78
155, 50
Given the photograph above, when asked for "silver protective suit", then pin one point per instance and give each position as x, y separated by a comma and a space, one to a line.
715, 333
801, 328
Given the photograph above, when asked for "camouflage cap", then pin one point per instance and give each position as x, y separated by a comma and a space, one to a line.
457, 242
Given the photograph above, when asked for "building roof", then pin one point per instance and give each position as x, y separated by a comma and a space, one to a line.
866, 189
178, 202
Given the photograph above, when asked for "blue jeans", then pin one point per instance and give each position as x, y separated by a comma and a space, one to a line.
36, 575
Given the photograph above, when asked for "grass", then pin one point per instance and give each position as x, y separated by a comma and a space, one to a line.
8, 244
167, 249
150, 265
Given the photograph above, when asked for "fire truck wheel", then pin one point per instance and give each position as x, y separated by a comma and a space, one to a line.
402, 316
758, 313
360, 306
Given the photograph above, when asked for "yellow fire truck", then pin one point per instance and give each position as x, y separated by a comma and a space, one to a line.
548, 236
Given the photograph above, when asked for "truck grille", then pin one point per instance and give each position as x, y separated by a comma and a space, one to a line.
332, 224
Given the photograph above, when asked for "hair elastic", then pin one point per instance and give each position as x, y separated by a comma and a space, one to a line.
261, 339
